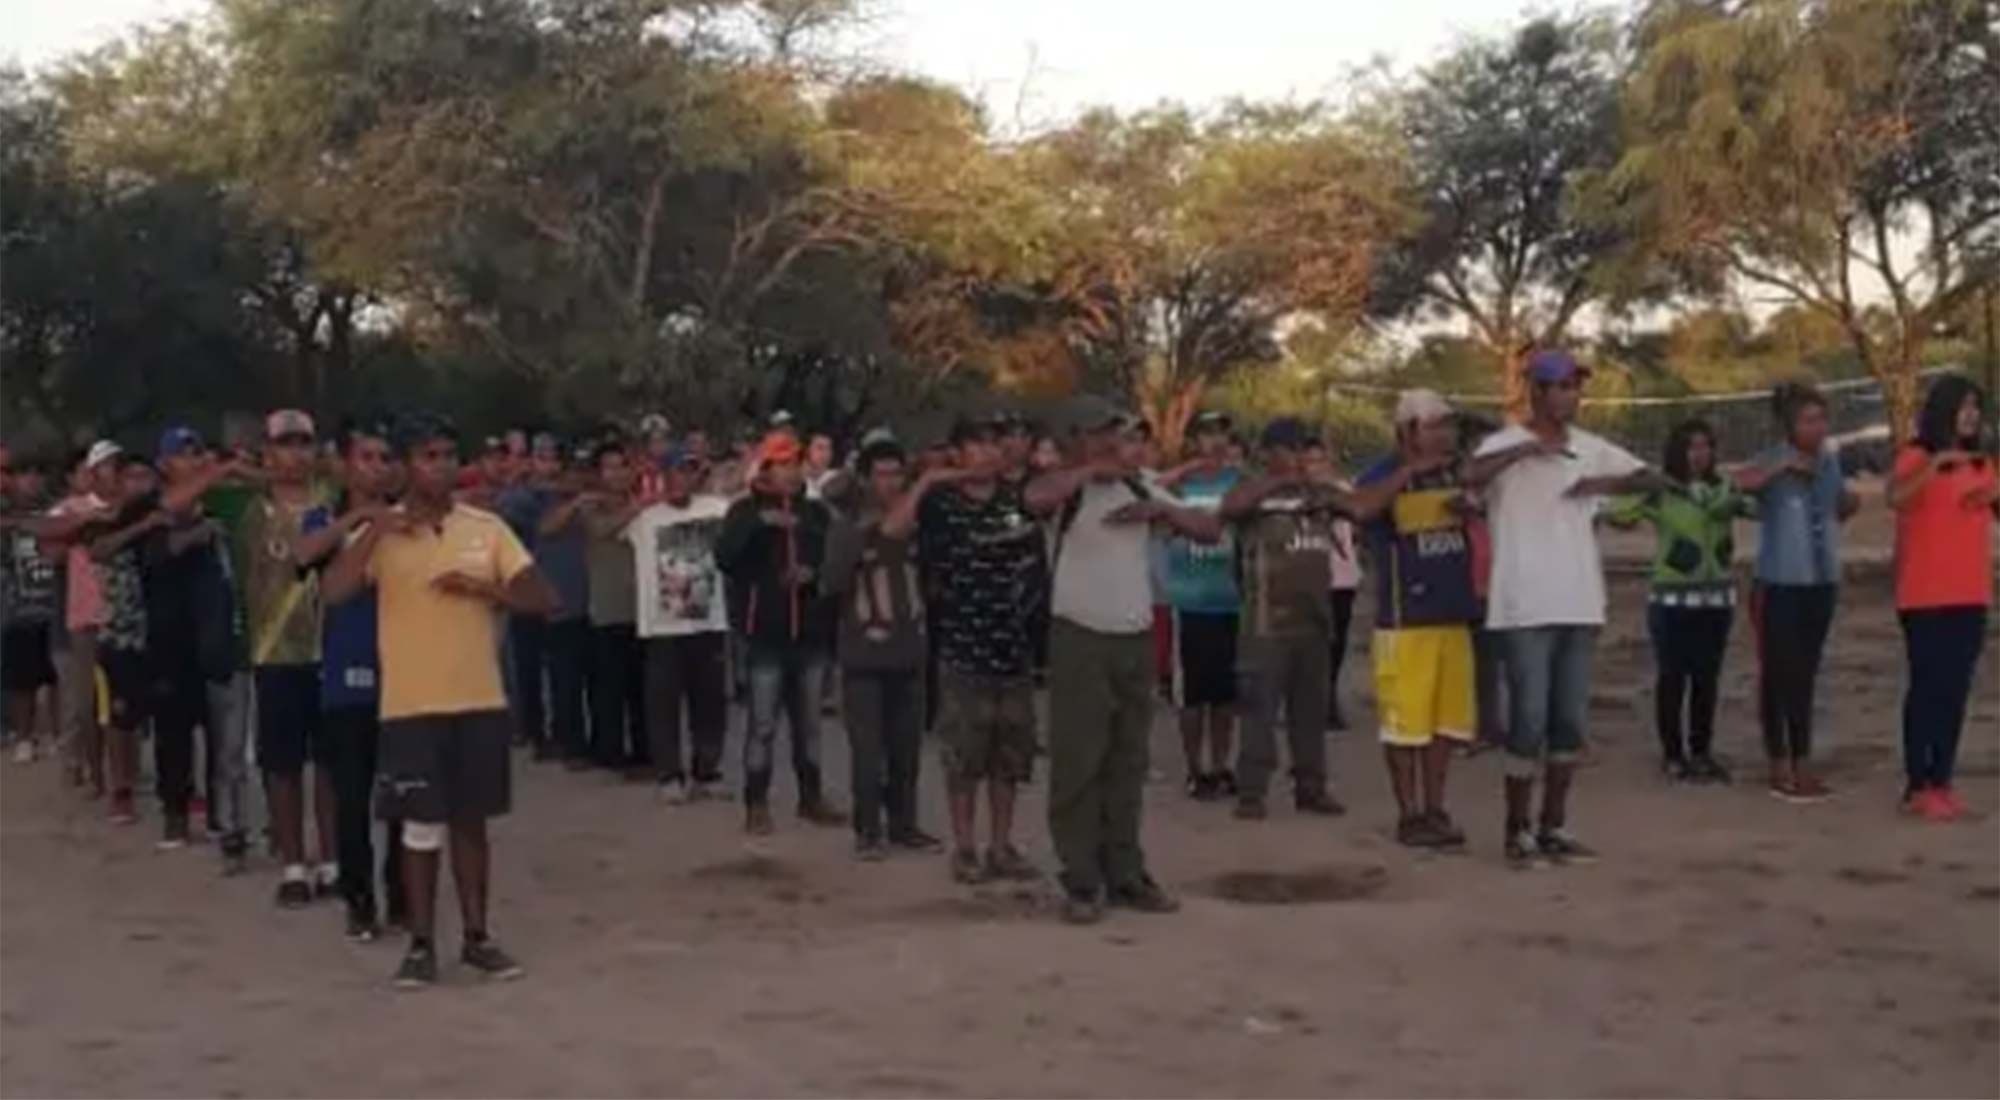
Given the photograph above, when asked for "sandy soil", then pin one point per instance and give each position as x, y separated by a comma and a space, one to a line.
1729, 945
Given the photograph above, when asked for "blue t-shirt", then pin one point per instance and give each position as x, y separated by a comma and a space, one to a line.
1799, 521
1423, 556
349, 671
1201, 577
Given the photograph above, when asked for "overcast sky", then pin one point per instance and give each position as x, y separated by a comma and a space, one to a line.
1128, 53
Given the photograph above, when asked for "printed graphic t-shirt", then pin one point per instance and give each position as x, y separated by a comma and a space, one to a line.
679, 586
1287, 550
1422, 553
349, 670
983, 557
1201, 577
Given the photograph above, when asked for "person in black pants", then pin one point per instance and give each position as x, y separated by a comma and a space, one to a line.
683, 626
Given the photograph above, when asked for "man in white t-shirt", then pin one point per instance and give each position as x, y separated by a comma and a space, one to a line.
1543, 481
683, 624
1101, 664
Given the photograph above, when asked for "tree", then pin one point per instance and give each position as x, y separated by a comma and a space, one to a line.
1502, 137
1811, 147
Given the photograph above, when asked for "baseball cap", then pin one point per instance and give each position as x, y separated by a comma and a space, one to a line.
288, 423
178, 440
1288, 432
1420, 405
421, 428
654, 424
1555, 366
101, 452
779, 447
1210, 421
781, 419
875, 437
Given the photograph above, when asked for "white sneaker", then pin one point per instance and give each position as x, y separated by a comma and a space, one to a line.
24, 751
674, 792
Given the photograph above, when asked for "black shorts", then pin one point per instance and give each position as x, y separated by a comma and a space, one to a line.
128, 679
288, 719
439, 768
1205, 659
25, 664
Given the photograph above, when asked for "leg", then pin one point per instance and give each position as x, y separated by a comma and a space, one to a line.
1306, 706
863, 711
1816, 621
1705, 678
963, 729
565, 644
1194, 730
228, 722
79, 703
1569, 703
1014, 745
1530, 657
804, 670
1490, 686
350, 731
1965, 639
1341, 604
704, 685
526, 634
638, 750
607, 696
1771, 618
471, 870
1080, 715
902, 733
765, 677
1126, 760
281, 752
664, 694
179, 710
1664, 624
1258, 688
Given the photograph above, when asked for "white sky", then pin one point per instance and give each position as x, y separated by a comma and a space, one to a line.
1127, 53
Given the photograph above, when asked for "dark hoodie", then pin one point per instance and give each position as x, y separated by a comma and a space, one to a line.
765, 606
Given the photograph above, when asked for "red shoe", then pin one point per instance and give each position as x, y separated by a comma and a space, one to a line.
1940, 806
123, 812
1952, 802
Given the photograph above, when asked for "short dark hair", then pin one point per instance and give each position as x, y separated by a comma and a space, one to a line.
421, 429
1674, 457
357, 429
606, 448
887, 450
1789, 399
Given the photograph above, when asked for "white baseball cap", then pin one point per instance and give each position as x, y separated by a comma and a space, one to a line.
1420, 405
100, 453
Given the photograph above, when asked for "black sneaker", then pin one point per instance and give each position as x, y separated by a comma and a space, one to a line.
1144, 896
1318, 803
1416, 831
419, 968
966, 870
1250, 808
1559, 847
1200, 787
1449, 834
1225, 783
822, 813
870, 849
1006, 862
1676, 770
1082, 908
235, 861
489, 960
916, 840
1707, 769
294, 893
361, 926
1521, 850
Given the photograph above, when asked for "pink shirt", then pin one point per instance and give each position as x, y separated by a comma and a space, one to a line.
83, 600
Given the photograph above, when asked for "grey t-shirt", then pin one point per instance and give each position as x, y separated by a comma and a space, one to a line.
1103, 571
614, 573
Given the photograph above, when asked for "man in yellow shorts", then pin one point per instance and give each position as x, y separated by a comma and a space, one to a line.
1413, 507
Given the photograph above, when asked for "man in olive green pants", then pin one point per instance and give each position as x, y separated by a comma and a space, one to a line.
1101, 665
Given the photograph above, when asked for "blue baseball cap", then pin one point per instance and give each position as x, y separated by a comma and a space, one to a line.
179, 440
1555, 366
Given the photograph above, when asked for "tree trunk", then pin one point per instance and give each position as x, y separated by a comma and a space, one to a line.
1514, 382
1167, 409
1900, 385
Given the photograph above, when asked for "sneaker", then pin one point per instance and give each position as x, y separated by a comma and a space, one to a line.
174, 835
1949, 798
489, 960
326, 884
704, 790
1144, 896
1251, 809
235, 861
1081, 908
757, 821
1676, 770
1931, 805
419, 968
361, 926
24, 751
1559, 847
966, 870
1225, 783
870, 849
1807, 787
1707, 769
1318, 803
1521, 849
1200, 787
1448, 832
916, 840
294, 893
123, 811
822, 813
1416, 831
673, 791
1006, 862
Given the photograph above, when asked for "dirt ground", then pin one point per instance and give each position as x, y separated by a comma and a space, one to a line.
1728, 945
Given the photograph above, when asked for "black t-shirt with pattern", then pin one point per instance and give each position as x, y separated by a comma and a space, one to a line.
984, 557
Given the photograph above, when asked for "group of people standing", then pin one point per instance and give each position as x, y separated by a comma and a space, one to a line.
393, 622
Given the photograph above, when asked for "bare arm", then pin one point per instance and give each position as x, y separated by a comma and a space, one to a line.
347, 577
1046, 494
107, 546
1480, 472
526, 593
317, 546
1250, 494
558, 518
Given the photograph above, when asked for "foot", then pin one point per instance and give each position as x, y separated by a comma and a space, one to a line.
1416, 831
1318, 803
174, 835
235, 861
673, 791
1448, 831
1200, 787
24, 751
1250, 808
294, 893
966, 870
1082, 908
1225, 783
757, 821
703, 790
1807, 787
361, 925
485, 958
1336, 722
1558, 847
870, 849
915, 840
1676, 770
1144, 896
1951, 802
1930, 804
822, 813
1521, 850
1006, 862
1707, 769
419, 968
123, 810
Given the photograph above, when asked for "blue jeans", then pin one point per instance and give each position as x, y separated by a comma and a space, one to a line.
787, 680
1548, 691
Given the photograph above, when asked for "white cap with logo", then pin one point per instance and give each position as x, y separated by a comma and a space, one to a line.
1421, 405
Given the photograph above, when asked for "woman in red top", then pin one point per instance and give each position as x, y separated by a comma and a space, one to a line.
1945, 493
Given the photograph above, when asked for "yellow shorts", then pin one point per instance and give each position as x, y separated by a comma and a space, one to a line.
1424, 684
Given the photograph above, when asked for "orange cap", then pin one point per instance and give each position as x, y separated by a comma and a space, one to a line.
779, 448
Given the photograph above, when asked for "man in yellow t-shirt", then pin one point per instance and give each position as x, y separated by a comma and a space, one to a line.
442, 573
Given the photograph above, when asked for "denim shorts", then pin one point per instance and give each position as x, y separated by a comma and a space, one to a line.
1548, 693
